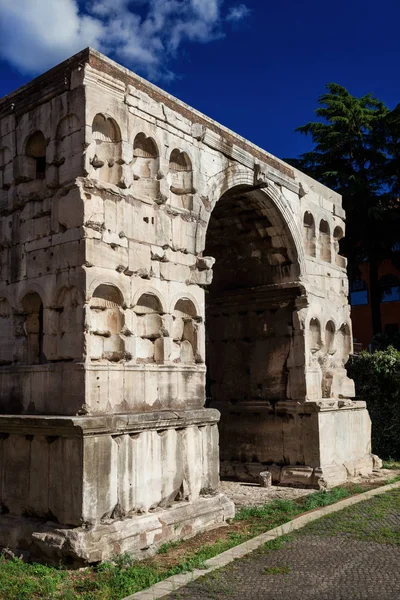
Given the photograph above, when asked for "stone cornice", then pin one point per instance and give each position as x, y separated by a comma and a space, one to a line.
101, 425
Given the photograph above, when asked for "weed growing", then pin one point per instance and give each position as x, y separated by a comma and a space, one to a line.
277, 570
277, 543
391, 464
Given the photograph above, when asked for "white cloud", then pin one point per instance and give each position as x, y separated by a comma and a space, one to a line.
238, 13
35, 34
145, 34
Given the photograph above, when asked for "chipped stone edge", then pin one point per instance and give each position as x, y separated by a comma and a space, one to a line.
167, 586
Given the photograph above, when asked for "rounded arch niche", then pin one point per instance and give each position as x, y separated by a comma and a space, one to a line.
185, 332
106, 137
35, 150
251, 300
181, 179
107, 320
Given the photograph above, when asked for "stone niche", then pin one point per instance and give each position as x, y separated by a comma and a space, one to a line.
107, 322
146, 166
106, 137
181, 179
170, 295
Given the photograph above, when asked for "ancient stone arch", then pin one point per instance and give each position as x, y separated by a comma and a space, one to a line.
175, 297
106, 324
68, 148
146, 166
63, 326
181, 179
35, 150
33, 327
185, 332
149, 329
6, 332
309, 233
250, 315
5, 167
106, 137
337, 236
324, 241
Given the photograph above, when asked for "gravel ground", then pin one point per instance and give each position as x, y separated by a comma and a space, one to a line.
251, 494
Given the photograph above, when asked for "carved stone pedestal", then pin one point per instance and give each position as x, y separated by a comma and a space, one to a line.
85, 488
315, 444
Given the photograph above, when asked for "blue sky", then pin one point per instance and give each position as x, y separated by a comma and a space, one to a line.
256, 66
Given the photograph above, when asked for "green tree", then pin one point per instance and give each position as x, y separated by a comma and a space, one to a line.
377, 379
356, 153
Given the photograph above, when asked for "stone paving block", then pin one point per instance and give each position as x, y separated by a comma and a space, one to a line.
317, 563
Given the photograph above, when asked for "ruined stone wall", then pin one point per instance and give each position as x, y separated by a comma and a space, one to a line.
42, 253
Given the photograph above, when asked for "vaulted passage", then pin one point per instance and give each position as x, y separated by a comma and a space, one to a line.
249, 322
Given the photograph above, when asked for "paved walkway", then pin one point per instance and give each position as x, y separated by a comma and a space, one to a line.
350, 555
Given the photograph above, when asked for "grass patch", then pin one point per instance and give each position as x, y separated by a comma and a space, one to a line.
394, 479
166, 547
391, 464
277, 543
277, 570
320, 499
367, 521
123, 576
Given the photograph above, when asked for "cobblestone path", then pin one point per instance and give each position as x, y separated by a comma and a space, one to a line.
351, 555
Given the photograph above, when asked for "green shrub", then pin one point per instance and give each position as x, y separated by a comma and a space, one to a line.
377, 379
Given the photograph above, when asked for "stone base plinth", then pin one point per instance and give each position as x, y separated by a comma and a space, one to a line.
298, 475
89, 487
140, 535
315, 444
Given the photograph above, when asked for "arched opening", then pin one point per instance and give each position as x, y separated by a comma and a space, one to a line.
6, 333
337, 236
146, 167
344, 345
315, 335
36, 150
250, 326
6, 174
181, 179
327, 360
107, 138
145, 157
33, 311
315, 359
185, 332
63, 340
324, 241
149, 329
69, 141
106, 322
309, 233
330, 336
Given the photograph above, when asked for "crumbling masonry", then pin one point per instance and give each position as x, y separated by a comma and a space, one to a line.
140, 242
